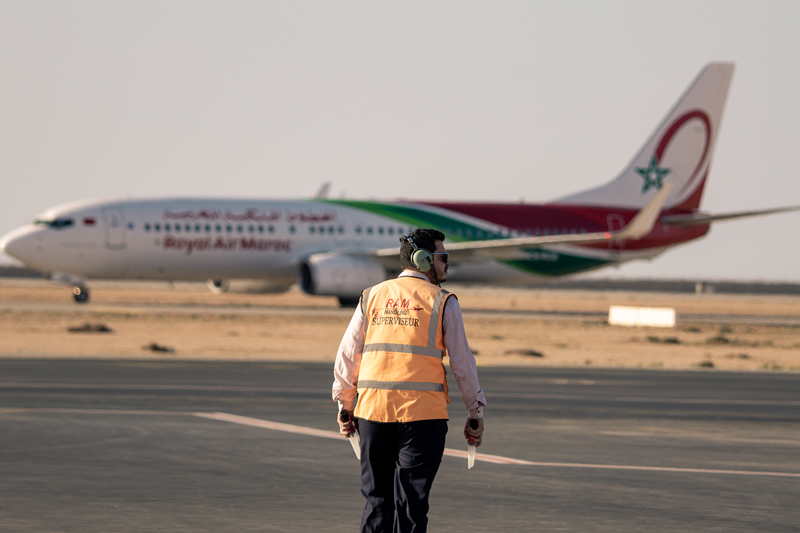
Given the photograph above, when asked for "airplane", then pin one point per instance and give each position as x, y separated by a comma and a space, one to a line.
337, 247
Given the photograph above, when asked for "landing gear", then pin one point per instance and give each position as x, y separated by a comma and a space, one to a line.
348, 301
80, 295
218, 286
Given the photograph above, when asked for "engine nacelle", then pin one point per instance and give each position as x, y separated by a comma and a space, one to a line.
250, 286
339, 275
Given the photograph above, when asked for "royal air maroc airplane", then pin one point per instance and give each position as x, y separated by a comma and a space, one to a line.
339, 247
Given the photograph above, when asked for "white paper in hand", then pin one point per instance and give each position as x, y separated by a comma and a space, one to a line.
355, 442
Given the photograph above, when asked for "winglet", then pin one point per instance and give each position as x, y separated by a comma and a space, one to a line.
642, 224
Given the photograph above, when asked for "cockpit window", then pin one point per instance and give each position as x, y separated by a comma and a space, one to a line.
58, 223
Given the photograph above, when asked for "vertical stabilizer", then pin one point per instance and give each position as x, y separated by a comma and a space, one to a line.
679, 152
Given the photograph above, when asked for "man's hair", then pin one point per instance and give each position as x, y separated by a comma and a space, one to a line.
425, 239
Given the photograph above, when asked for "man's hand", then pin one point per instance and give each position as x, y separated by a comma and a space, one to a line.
474, 436
346, 428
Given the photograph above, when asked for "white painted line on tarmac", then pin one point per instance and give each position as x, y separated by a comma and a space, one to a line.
461, 454
497, 459
267, 424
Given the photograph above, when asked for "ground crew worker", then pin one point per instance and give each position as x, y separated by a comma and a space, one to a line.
391, 355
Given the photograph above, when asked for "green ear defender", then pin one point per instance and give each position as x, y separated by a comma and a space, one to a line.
421, 258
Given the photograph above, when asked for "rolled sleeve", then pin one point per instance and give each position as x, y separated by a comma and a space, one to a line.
462, 362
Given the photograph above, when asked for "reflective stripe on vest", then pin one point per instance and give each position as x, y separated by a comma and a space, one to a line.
400, 385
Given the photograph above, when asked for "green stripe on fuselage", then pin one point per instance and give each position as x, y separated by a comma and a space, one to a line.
456, 230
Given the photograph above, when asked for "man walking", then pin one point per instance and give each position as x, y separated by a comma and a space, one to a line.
391, 356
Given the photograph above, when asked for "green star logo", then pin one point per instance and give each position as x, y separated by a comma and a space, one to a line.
653, 175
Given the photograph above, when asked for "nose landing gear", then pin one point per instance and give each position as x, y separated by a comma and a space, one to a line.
80, 295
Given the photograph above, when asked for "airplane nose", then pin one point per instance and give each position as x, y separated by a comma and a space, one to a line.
18, 244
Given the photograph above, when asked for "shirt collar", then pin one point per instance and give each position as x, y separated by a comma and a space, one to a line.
413, 274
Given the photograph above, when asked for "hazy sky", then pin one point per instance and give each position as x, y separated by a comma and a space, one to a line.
453, 100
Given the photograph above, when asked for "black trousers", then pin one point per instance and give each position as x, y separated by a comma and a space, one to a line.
398, 463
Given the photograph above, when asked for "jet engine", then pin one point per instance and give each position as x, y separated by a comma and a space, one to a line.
339, 275
271, 285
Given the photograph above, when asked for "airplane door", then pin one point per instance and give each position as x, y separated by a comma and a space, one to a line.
615, 223
114, 225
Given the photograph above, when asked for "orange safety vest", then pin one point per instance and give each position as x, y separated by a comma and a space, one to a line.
402, 377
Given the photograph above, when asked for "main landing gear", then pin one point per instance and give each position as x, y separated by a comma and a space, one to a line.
80, 295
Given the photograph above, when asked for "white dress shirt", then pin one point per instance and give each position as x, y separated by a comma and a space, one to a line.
462, 362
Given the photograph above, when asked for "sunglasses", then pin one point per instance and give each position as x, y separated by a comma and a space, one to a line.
444, 255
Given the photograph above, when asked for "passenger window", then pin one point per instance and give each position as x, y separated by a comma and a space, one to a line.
271, 229
188, 228
380, 230
358, 230
208, 228
158, 227
291, 229
177, 227
311, 229
229, 228
147, 226
218, 228
369, 230
239, 228
261, 229
341, 229
197, 228
251, 228
330, 230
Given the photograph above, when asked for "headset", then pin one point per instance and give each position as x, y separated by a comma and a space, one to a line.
421, 259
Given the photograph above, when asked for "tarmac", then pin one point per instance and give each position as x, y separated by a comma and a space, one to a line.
97, 445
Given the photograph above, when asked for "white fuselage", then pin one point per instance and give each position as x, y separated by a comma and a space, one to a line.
195, 238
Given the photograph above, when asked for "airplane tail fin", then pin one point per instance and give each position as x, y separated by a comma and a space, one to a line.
678, 152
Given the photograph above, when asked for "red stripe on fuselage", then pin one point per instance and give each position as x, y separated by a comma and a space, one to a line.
568, 217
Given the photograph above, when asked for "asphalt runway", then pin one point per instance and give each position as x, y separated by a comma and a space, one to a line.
141, 446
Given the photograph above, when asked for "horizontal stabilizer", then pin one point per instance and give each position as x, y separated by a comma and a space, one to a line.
640, 226
696, 219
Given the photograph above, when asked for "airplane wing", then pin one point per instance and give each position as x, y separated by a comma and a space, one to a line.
641, 225
695, 219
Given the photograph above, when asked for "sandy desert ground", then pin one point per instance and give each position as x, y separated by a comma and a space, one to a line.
503, 329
